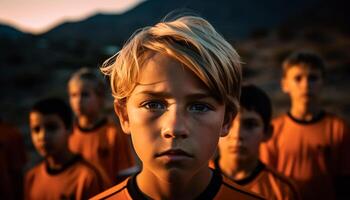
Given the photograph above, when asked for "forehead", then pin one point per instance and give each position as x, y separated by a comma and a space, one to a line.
162, 72
248, 114
302, 70
82, 84
38, 118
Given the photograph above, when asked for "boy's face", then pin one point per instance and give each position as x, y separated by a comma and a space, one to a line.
174, 122
48, 132
303, 84
83, 98
245, 135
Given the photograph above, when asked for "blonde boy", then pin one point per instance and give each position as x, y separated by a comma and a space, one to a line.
176, 87
97, 138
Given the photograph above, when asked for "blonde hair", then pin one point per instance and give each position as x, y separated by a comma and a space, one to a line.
190, 40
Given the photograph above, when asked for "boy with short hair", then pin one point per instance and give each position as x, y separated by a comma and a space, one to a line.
308, 145
176, 87
238, 156
62, 174
96, 137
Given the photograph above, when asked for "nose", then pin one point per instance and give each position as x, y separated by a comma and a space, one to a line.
79, 99
236, 131
175, 123
41, 136
305, 83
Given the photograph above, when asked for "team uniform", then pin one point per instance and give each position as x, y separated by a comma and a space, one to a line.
313, 154
105, 146
266, 182
78, 179
12, 160
219, 188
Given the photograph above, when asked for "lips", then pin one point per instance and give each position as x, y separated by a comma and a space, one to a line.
237, 149
174, 152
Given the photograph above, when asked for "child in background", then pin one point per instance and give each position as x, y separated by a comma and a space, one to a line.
239, 151
98, 139
308, 144
62, 174
176, 87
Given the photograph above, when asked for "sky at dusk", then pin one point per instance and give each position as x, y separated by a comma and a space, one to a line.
38, 16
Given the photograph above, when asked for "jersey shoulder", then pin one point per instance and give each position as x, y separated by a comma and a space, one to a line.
118, 191
231, 190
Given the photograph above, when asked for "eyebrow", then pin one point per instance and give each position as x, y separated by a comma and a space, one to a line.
199, 95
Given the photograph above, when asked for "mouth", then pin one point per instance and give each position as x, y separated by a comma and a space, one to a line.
174, 153
237, 149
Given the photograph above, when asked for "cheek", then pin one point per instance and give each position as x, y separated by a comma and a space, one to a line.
223, 143
143, 146
254, 140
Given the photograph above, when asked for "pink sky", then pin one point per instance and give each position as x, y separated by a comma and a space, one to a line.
38, 16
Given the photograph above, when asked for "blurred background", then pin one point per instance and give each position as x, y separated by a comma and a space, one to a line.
43, 42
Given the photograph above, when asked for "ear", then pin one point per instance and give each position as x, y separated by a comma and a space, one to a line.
120, 110
284, 86
268, 133
229, 117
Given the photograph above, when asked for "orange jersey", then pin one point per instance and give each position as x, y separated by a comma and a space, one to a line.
12, 160
106, 146
266, 182
77, 180
219, 188
313, 154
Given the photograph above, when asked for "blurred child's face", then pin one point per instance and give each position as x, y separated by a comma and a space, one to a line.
83, 98
174, 122
245, 135
48, 132
302, 84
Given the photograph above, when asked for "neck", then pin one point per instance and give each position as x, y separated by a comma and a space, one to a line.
58, 161
86, 121
179, 186
305, 112
237, 169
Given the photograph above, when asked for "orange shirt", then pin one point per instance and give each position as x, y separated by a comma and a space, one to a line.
77, 180
105, 146
219, 188
267, 182
313, 154
12, 160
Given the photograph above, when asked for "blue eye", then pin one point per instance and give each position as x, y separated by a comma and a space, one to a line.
154, 106
199, 107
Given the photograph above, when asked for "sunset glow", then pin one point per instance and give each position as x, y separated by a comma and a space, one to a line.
37, 16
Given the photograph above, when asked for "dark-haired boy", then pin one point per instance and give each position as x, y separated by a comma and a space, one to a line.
239, 151
62, 174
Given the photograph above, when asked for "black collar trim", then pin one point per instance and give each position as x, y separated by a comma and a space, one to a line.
209, 193
248, 179
96, 126
253, 175
65, 166
315, 119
